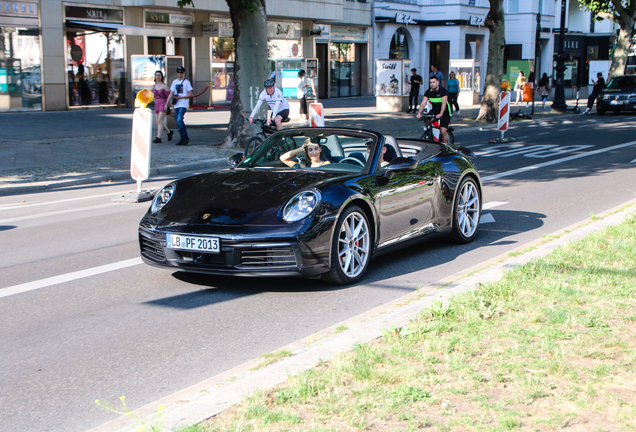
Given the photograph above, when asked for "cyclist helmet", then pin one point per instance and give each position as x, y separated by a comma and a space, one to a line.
269, 83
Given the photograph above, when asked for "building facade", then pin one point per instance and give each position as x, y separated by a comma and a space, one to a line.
78, 54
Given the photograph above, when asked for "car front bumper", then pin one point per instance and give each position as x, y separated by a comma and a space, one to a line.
623, 104
257, 257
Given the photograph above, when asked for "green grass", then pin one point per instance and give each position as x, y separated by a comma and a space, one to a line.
551, 346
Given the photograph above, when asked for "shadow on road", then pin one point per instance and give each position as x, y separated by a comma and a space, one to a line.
420, 256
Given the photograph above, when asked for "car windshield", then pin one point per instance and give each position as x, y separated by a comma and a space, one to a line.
340, 150
622, 82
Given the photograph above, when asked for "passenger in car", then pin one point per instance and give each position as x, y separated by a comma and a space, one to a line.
313, 156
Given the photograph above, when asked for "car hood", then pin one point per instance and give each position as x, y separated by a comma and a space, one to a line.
235, 197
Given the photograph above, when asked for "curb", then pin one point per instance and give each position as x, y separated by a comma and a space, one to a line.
212, 396
115, 176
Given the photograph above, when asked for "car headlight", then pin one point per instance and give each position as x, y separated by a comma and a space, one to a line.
606, 97
162, 197
301, 206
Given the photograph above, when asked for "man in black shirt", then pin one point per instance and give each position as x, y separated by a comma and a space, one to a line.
439, 99
598, 86
415, 82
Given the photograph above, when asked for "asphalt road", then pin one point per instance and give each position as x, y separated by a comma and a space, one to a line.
98, 332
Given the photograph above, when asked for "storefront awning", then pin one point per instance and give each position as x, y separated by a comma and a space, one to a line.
116, 28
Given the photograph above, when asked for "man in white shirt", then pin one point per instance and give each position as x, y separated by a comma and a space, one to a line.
276, 103
180, 94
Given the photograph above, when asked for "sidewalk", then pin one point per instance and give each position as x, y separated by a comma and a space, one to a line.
40, 151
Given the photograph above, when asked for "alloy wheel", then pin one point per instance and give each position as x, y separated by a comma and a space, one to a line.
353, 245
468, 209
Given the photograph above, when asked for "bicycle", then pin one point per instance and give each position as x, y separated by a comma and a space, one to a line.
520, 116
265, 132
431, 129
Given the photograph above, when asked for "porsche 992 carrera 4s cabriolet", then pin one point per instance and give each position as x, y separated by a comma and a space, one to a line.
369, 194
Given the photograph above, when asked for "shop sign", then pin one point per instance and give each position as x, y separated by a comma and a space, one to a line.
349, 34
95, 14
18, 8
476, 20
405, 19
574, 45
324, 30
157, 17
218, 27
181, 20
284, 30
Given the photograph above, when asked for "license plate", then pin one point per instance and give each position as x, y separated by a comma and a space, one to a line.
193, 243
616, 102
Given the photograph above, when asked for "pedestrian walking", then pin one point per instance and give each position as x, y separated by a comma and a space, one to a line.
179, 98
544, 88
599, 85
521, 81
161, 92
453, 92
528, 90
414, 93
437, 74
303, 89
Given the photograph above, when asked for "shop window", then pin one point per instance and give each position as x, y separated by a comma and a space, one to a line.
20, 77
399, 48
345, 71
513, 6
95, 68
222, 48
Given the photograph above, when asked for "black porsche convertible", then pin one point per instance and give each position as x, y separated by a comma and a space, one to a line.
261, 217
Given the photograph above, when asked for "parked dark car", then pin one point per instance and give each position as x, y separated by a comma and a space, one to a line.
619, 95
263, 218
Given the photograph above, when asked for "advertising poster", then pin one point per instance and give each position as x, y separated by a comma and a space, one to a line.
289, 82
143, 71
406, 76
513, 67
388, 77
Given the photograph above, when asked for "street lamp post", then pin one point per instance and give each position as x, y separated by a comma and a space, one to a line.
559, 92
537, 56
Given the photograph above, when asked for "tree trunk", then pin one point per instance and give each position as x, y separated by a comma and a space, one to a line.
250, 68
495, 22
621, 52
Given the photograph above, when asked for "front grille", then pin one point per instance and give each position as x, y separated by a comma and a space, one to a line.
151, 248
269, 257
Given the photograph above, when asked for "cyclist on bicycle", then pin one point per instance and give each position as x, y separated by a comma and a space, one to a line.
276, 102
438, 96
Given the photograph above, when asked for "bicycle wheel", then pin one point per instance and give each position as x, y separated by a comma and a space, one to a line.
253, 144
428, 135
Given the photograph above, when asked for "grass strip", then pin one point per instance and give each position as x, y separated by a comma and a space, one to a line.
549, 347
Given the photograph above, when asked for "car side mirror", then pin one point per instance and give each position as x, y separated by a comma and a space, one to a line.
235, 159
400, 164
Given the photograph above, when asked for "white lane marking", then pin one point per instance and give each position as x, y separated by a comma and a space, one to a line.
543, 133
53, 213
493, 204
562, 130
634, 161
567, 122
486, 218
523, 137
21, 205
556, 161
56, 280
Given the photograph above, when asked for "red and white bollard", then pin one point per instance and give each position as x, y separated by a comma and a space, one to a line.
316, 115
504, 112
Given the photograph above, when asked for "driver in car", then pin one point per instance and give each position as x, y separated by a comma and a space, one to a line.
383, 163
313, 154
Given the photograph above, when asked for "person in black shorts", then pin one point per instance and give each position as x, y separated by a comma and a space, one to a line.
415, 82
439, 99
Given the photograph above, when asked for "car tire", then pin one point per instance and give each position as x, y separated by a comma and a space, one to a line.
451, 138
600, 111
466, 211
351, 248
